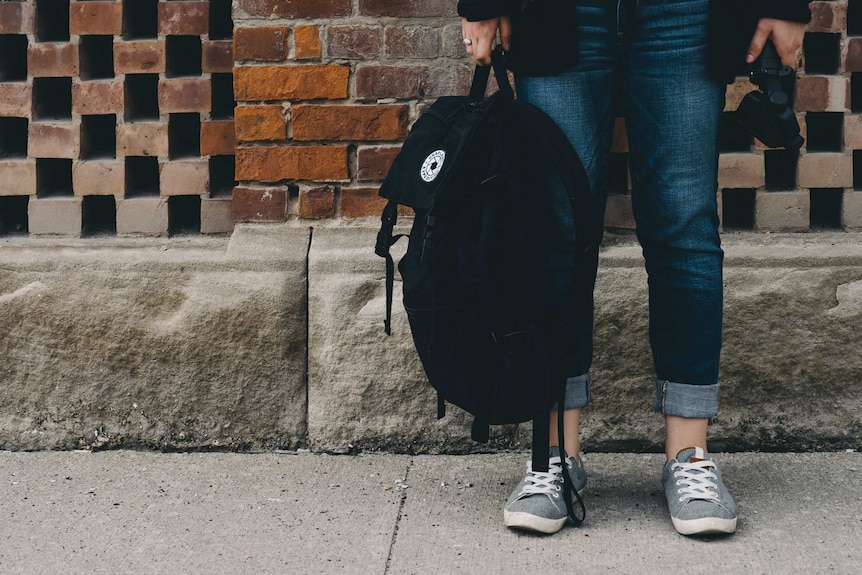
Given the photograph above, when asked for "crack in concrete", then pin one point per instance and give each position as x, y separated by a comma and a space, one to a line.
406, 487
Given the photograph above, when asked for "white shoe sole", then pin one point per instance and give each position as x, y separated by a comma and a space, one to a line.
530, 522
705, 526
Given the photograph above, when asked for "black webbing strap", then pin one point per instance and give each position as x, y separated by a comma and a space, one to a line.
386, 240
483, 74
568, 486
481, 430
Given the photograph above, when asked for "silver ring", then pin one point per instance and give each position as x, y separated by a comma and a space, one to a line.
468, 42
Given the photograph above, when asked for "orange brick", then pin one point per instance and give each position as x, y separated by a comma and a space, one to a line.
260, 123
273, 164
307, 41
268, 43
317, 203
98, 97
361, 203
139, 57
218, 138
265, 83
341, 123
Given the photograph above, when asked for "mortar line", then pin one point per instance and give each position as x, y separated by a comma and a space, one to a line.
398, 517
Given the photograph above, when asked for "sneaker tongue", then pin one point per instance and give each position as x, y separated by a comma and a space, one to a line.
692, 455
554, 451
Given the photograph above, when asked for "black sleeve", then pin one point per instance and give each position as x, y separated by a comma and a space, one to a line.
476, 10
795, 10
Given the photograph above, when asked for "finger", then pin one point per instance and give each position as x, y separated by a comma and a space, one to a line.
482, 51
761, 35
506, 33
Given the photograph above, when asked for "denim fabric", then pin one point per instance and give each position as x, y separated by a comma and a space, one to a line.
655, 53
577, 393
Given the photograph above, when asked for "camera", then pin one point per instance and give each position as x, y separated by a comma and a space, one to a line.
768, 113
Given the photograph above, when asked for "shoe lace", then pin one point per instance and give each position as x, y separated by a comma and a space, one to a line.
695, 480
541, 482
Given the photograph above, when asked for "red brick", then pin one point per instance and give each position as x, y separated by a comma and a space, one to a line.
16, 99
99, 178
264, 83
827, 17
374, 163
296, 9
185, 95
140, 57
269, 43
259, 204
273, 164
406, 8
218, 138
184, 18
18, 177
361, 203
409, 82
821, 94
411, 42
104, 18
853, 132
54, 141
341, 123
260, 123
17, 18
317, 203
184, 177
142, 139
306, 39
52, 60
98, 97
218, 57
356, 42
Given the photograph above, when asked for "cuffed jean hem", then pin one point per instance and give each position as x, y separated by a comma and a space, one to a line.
577, 393
685, 400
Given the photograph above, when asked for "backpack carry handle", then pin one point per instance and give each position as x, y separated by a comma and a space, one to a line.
483, 74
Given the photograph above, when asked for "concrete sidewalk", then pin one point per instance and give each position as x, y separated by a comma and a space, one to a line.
141, 512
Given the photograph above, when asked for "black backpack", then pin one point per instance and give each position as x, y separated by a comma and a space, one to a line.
501, 258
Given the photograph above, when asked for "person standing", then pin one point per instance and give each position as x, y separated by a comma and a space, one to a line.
672, 59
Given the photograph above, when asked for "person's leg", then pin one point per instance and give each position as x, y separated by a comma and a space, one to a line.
672, 115
580, 101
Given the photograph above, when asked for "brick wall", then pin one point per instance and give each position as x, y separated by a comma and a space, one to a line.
326, 90
116, 116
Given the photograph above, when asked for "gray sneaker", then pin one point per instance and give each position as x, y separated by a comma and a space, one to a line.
537, 502
699, 502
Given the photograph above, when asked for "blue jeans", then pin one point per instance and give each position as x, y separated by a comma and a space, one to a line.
657, 50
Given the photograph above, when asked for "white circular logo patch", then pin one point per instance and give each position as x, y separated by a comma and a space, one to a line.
433, 165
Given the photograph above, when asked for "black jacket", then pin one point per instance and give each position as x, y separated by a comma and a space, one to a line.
542, 27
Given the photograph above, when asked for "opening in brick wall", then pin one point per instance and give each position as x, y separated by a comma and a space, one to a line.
184, 55
856, 92
184, 215
822, 53
52, 98
96, 56
737, 209
98, 137
142, 97
184, 136
732, 136
780, 168
52, 20
221, 20
13, 58
222, 175
618, 180
826, 208
142, 176
825, 131
857, 169
854, 17
223, 102
13, 137
53, 177
99, 215
13, 215
140, 19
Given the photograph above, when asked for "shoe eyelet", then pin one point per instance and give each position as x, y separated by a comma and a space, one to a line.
556, 495
559, 488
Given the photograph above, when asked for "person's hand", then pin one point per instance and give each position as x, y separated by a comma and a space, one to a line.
786, 35
479, 37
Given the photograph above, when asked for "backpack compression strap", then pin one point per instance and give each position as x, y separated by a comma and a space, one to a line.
386, 240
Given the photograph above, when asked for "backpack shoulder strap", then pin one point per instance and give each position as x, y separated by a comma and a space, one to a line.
386, 240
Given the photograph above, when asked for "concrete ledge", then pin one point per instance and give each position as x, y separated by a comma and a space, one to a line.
171, 344
268, 341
